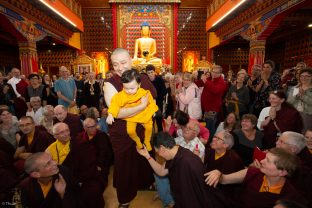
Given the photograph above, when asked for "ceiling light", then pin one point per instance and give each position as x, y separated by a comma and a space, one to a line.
229, 12
57, 12
53, 44
310, 25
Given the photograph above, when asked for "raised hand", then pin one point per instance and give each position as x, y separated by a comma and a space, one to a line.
110, 119
272, 113
60, 185
143, 152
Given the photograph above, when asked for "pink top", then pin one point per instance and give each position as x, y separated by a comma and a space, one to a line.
203, 131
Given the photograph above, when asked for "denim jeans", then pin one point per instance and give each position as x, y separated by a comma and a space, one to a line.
163, 189
211, 125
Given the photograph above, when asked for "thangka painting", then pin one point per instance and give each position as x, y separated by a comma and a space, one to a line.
159, 17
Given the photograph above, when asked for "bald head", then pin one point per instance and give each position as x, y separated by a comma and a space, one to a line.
60, 112
119, 51
61, 132
90, 126
121, 61
64, 73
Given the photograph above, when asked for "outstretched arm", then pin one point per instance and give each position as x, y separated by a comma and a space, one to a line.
159, 169
215, 176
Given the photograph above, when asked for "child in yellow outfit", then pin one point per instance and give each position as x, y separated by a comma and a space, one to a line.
131, 96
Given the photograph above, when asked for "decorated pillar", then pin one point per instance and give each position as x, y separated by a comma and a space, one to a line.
28, 57
256, 53
32, 32
175, 37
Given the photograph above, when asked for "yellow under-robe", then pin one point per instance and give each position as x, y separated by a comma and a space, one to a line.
124, 100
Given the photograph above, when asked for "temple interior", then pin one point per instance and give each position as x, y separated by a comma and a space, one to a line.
40, 36
81, 34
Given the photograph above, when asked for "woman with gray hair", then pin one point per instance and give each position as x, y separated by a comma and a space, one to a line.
300, 97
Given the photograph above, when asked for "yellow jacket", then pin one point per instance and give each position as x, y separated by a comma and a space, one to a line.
124, 100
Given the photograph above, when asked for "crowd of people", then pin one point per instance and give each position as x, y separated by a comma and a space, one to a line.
194, 136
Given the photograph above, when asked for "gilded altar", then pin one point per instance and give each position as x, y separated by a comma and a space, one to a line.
83, 64
160, 21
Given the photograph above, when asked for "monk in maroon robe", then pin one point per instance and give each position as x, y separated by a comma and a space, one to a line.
73, 121
131, 172
221, 157
185, 171
100, 142
80, 159
263, 187
34, 139
43, 170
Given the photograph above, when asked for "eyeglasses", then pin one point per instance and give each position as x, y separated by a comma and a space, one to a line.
283, 142
218, 138
305, 76
89, 127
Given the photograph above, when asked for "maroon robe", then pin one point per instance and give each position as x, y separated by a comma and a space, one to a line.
103, 150
74, 123
252, 198
131, 170
287, 119
230, 162
302, 180
7, 147
186, 176
8, 177
81, 162
306, 157
32, 196
42, 139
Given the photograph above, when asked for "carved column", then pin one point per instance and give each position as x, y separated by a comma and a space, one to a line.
28, 57
256, 53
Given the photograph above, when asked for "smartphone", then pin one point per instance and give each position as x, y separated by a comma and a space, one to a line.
258, 154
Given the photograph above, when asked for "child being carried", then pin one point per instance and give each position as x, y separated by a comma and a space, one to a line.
131, 96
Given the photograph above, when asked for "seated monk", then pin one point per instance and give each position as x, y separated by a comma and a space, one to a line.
33, 139
80, 158
145, 48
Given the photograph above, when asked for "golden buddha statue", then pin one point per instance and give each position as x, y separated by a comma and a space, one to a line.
145, 48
